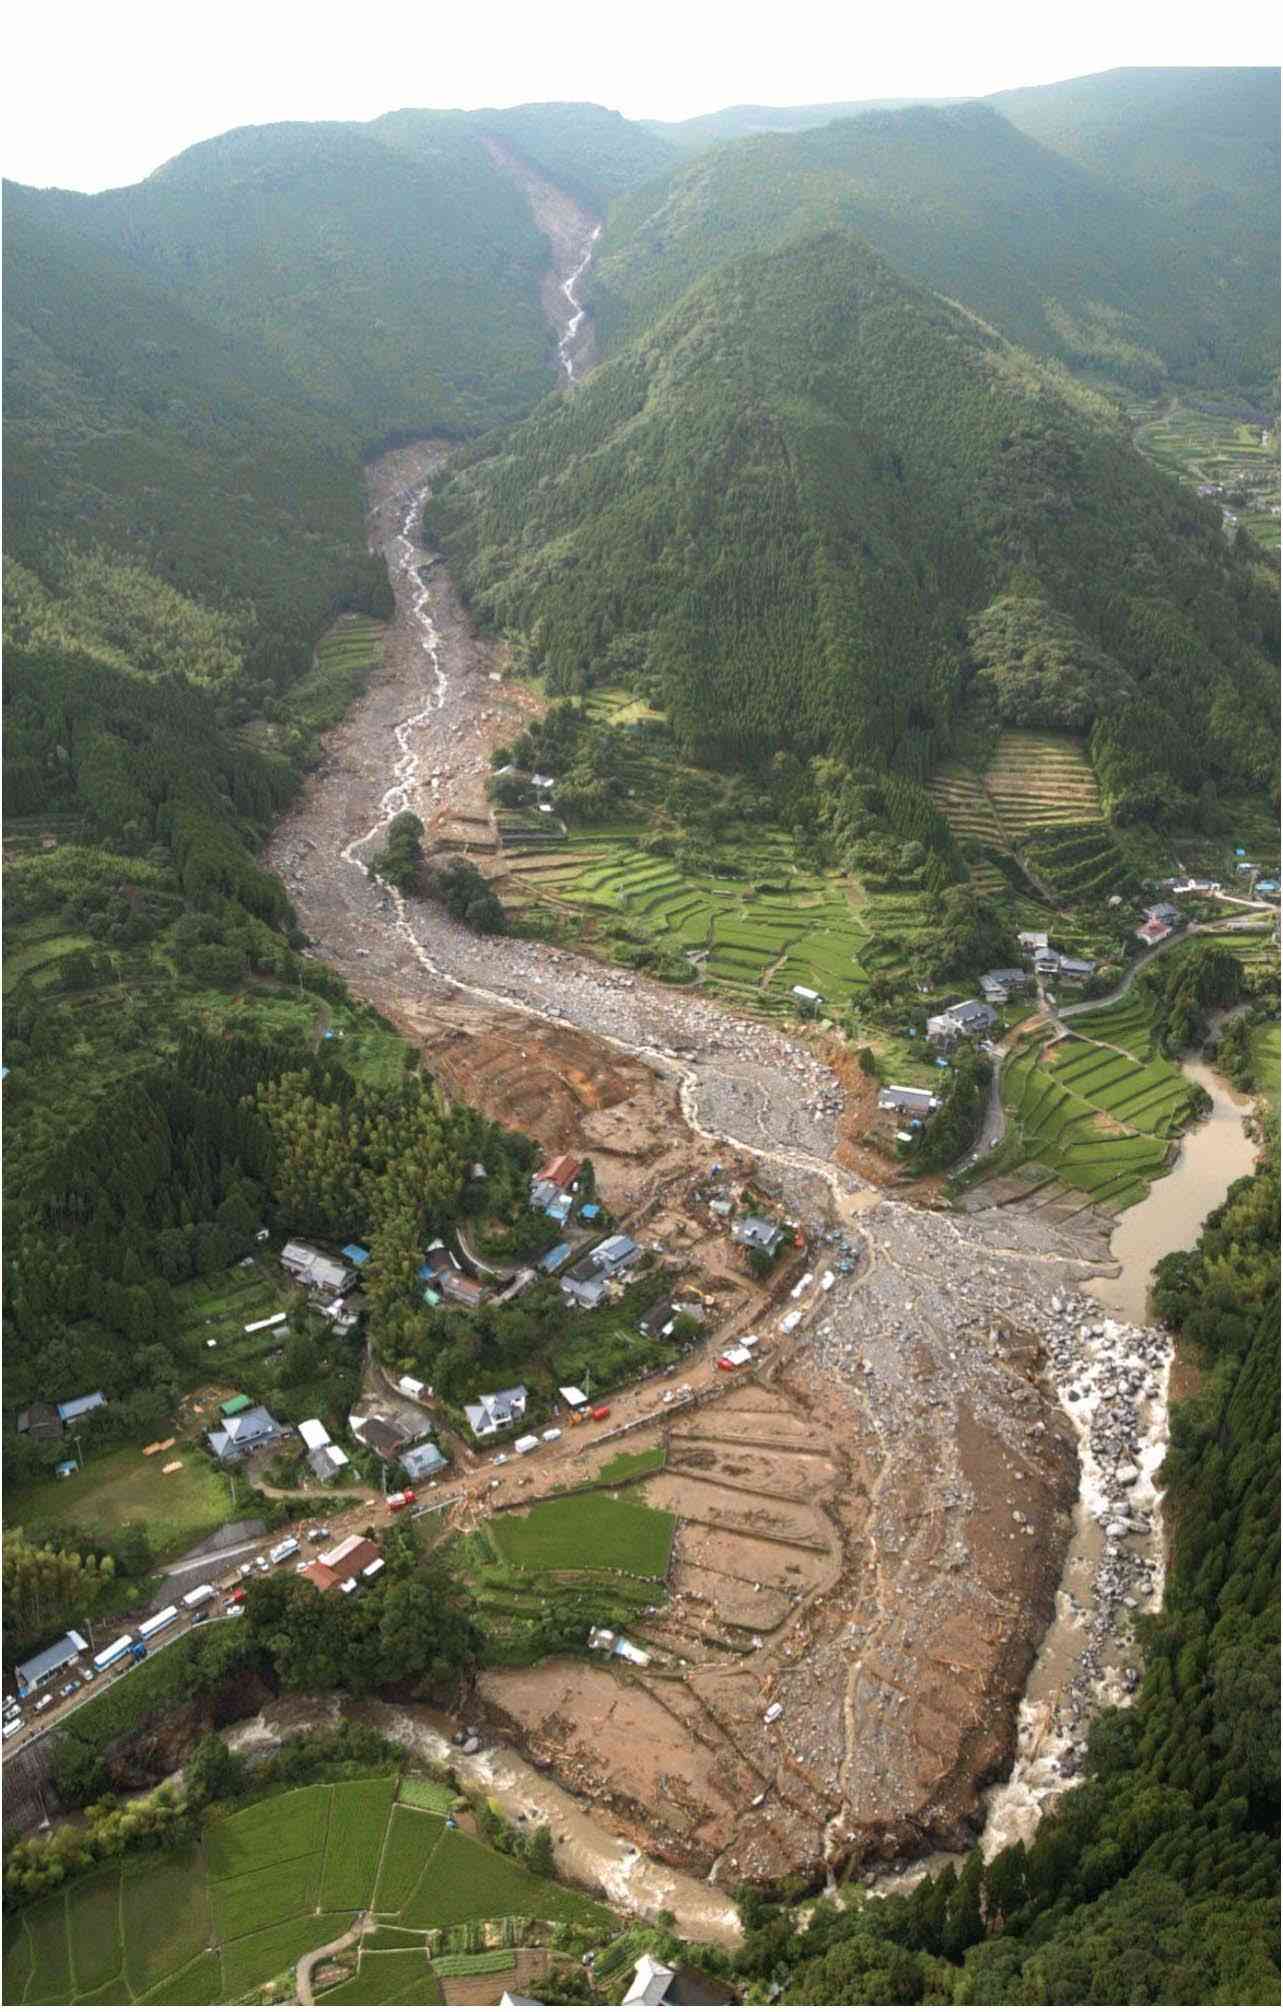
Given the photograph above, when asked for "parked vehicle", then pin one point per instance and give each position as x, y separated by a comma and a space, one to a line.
43, 1704
401, 1500
601, 1411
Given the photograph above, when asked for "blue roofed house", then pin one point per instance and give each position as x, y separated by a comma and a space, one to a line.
616, 1252
556, 1256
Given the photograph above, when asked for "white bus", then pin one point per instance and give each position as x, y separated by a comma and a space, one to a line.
156, 1623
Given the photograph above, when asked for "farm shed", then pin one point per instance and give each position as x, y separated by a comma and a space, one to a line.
76, 1407
41, 1421
313, 1434
55, 1657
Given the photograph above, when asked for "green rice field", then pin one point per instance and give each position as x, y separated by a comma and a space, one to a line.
1098, 1111
586, 1533
211, 1924
751, 926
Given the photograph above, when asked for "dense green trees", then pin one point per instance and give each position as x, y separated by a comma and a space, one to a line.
401, 855
1018, 225
804, 482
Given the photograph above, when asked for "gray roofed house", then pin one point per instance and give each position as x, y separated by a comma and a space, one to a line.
456, 1285
327, 1461
1077, 967
756, 1234
55, 1657
999, 985
495, 1413
968, 1018
659, 1320
585, 1283
313, 1269
907, 1097
381, 1435
76, 1407
422, 1462
249, 1429
1166, 911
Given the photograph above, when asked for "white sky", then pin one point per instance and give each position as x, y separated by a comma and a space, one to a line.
100, 92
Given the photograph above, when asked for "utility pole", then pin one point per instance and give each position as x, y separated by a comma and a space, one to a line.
88, 1627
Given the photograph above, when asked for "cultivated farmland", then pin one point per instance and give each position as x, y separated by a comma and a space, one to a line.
270, 1883
1037, 798
586, 1533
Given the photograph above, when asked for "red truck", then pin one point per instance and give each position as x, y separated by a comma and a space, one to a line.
400, 1501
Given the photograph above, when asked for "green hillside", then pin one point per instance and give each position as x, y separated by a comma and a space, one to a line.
395, 291
778, 507
739, 122
1061, 256
584, 149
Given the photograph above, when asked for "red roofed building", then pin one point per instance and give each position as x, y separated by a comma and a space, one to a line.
563, 1172
320, 1576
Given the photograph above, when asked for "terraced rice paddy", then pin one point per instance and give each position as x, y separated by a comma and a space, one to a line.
1038, 799
752, 926
1095, 1113
211, 1924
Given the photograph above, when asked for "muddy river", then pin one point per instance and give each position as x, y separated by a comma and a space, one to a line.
1212, 1156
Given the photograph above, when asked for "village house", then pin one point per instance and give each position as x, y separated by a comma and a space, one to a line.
659, 1320
1032, 940
464, 1291
908, 1098
616, 1253
327, 1462
585, 1283
1077, 969
561, 1172
969, 1019
313, 1434
1165, 911
756, 1234
244, 1432
1152, 932
998, 986
316, 1271
425, 1462
551, 1260
381, 1435
496, 1413
353, 1558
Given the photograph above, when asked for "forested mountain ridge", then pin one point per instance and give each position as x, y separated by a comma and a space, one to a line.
1061, 255
776, 510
